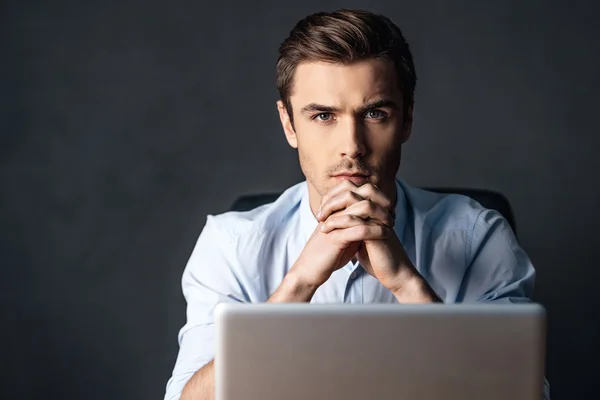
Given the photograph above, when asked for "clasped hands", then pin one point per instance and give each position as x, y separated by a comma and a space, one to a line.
357, 222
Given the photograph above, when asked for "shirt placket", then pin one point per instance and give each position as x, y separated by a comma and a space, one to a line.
353, 293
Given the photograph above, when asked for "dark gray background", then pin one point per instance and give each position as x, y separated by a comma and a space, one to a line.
123, 124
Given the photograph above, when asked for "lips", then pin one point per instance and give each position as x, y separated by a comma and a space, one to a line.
352, 175
358, 178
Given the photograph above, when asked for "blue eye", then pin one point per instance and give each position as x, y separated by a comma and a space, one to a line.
376, 114
324, 117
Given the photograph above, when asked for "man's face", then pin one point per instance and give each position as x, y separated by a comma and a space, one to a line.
347, 124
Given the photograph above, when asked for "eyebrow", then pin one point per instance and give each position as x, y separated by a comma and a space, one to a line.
314, 107
383, 103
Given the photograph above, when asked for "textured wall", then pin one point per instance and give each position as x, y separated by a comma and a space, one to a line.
122, 125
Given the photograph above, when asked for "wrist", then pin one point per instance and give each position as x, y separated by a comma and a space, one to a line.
414, 289
294, 288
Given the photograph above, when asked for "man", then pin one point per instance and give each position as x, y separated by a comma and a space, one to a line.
351, 233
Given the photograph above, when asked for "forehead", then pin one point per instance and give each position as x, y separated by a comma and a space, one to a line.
344, 85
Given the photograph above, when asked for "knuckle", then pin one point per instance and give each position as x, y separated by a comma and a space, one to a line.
370, 205
369, 188
362, 230
348, 196
331, 237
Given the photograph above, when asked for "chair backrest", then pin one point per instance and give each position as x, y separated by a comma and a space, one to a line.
487, 198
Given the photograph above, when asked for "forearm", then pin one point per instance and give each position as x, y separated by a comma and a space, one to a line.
293, 289
201, 385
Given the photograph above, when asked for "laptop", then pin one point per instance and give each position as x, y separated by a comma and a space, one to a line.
399, 352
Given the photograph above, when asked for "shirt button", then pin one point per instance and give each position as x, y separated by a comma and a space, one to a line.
353, 275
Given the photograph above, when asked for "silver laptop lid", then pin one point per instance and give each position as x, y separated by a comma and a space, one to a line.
358, 352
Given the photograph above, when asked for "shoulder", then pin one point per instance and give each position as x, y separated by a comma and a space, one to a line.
441, 211
266, 219
231, 244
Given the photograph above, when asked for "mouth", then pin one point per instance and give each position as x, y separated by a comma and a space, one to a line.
357, 178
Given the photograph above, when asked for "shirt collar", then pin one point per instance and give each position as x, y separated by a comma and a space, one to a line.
308, 222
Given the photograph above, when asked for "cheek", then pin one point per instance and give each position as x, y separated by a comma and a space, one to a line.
385, 152
384, 143
313, 152
306, 161
310, 162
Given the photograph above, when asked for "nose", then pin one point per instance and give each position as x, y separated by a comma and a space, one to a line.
352, 139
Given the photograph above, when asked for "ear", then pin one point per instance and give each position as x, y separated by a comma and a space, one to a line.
407, 125
286, 123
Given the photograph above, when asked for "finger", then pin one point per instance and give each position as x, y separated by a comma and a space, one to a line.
366, 191
360, 232
370, 211
340, 221
337, 203
373, 193
346, 185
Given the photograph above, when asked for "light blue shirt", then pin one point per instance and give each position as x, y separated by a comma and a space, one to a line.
465, 252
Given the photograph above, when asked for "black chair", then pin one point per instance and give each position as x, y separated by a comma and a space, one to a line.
487, 198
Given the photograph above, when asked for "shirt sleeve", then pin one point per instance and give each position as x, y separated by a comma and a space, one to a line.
499, 270
208, 279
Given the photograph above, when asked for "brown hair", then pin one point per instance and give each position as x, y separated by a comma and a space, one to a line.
344, 37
